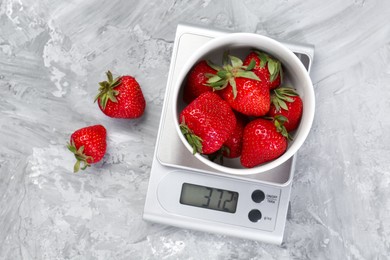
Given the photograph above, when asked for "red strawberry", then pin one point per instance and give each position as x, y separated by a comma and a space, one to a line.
286, 102
196, 81
233, 145
121, 97
253, 97
241, 88
262, 142
88, 145
207, 122
268, 69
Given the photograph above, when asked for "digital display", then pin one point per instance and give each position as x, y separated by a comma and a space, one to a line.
209, 198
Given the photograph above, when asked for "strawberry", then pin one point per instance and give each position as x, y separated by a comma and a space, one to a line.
241, 88
253, 97
88, 145
233, 145
207, 122
286, 102
268, 69
262, 142
121, 97
197, 79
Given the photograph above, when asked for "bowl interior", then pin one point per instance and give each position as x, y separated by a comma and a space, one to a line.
295, 75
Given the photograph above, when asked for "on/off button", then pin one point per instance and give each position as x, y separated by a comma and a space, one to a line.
254, 215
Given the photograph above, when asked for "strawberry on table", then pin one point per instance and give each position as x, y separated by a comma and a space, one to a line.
121, 97
286, 102
267, 68
262, 142
197, 80
241, 88
207, 122
88, 144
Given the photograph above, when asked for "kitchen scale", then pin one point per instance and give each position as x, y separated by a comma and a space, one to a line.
186, 193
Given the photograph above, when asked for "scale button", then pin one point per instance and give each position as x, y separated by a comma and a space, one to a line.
258, 196
254, 215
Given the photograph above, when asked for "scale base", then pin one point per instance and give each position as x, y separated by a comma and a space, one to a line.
173, 165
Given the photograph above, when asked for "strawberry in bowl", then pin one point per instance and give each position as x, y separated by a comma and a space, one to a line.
263, 81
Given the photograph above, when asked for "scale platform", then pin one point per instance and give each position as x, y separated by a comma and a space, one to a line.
186, 193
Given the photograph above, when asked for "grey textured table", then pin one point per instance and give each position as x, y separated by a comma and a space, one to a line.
52, 54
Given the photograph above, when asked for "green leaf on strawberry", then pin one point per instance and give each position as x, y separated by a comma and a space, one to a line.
213, 78
247, 75
222, 74
251, 65
263, 58
213, 65
282, 95
232, 83
286, 102
279, 122
274, 66
80, 157
107, 90
236, 62
194, 140
219, 155
232, 68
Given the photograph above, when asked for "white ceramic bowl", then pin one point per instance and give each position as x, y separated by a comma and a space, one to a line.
295, 74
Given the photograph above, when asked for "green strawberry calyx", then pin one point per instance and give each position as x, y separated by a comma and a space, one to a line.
82, 159
218, 155
107, 90
274, 66
232, 68
279, 122
194, 140
282, 95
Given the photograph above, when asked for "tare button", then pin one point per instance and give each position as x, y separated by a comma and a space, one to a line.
258, 196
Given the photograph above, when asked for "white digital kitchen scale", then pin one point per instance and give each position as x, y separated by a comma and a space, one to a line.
186, 193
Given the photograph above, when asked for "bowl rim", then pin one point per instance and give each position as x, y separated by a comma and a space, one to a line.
235, 40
